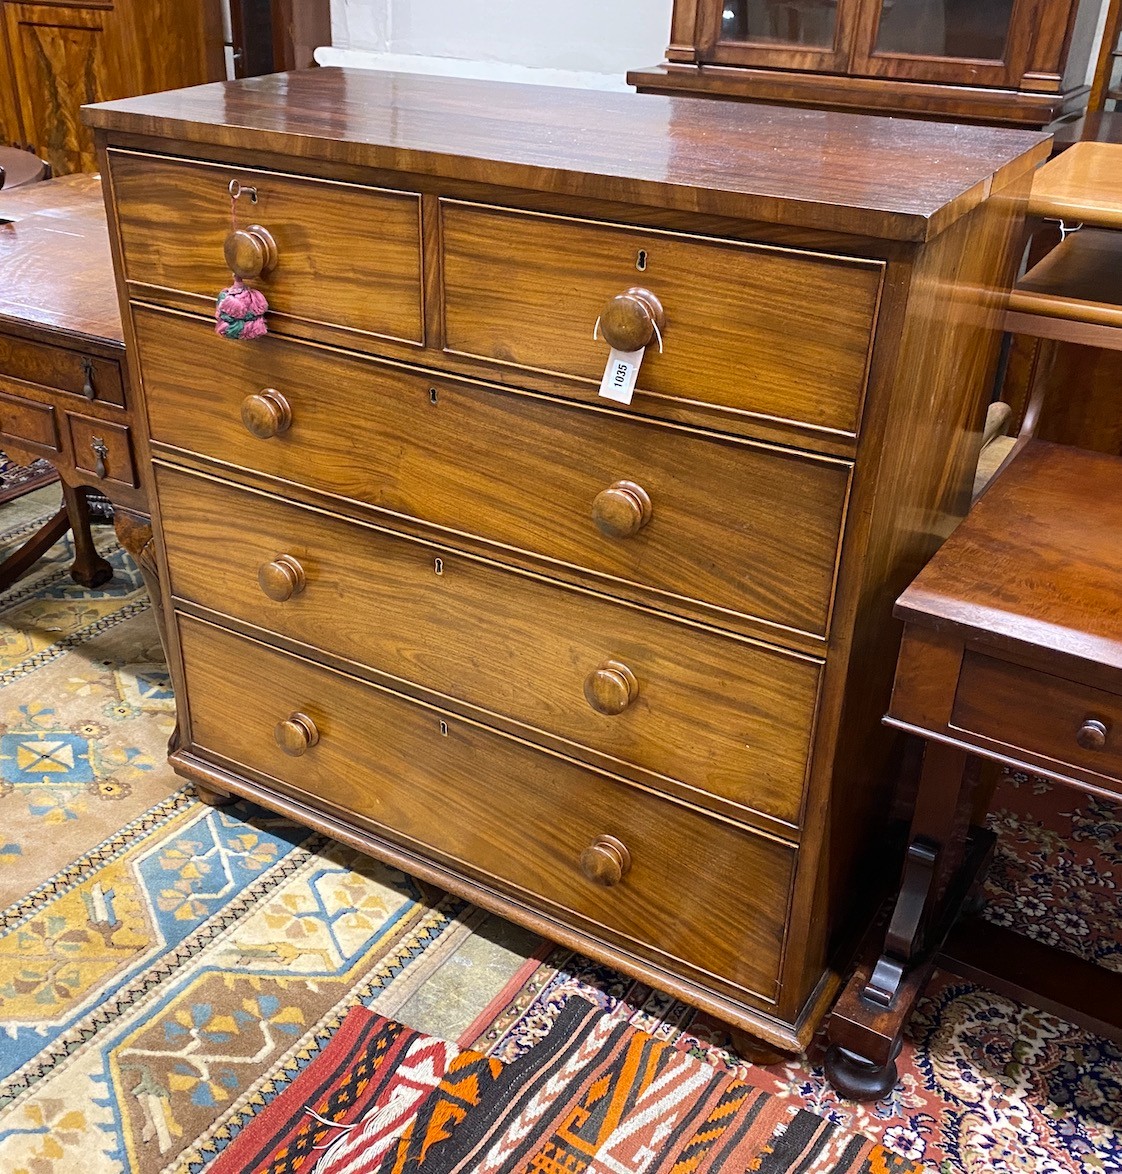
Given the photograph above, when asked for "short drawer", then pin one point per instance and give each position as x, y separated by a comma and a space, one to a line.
717, 714
90, 376
102, 449
30, 423
1050, 716
745, 527
346, 255
690, 889
769, 331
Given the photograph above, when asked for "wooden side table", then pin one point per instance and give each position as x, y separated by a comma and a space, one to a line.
1012, 652
64, 391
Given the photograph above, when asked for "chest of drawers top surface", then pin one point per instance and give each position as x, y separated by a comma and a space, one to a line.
891, 178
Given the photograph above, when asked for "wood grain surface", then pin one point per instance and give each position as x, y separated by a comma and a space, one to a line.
499, 809
719, 715
346, 255
748, 528
773, 332
886, 177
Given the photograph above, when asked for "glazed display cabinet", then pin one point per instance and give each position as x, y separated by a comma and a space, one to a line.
1017, 62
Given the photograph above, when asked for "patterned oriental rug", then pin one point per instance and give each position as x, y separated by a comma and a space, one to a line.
168, 970
17, 479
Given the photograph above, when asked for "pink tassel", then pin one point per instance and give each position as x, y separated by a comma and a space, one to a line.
240, 312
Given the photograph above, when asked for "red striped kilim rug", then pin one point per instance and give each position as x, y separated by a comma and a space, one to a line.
595, 1096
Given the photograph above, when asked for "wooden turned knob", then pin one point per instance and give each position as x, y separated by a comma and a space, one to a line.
622, 510
250, 252
611, 688
628, 320
296, 734
1092, 734
605, 861
282, 578
267, 414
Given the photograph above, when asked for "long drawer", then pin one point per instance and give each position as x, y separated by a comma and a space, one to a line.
774, 332
675, 885
346, 255
748, 528
715, 713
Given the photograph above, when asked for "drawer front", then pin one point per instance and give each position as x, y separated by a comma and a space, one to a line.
698, 891
1071, 723
26, 422
102, 449
718, 714
89, 376
749, 528
768, 331
346, 255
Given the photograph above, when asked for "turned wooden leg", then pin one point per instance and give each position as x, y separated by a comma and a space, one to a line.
19, 562
89, 568
943, 861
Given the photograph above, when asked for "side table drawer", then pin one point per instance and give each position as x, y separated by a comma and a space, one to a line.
346, 255
769, 331
687, 889
61, 369
26, 422
720, 715
1068, 722
102, 449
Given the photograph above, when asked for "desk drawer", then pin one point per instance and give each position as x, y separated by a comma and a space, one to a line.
1045, 715
27, 422
92, 377
698, 890
768, 331
746, 527
346, 255
102, 449
720, 715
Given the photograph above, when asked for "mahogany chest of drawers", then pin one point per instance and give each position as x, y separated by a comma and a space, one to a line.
614, 670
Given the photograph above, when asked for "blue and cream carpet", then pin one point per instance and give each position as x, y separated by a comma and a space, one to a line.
167, 968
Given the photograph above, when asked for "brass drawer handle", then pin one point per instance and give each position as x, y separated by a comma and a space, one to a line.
605, 861
88, 384
266, 414
622, 510
1092, 734
611, 688
282, 578
101, 454
250, 252
297, 734
632, 319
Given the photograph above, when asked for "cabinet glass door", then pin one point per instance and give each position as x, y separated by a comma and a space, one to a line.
974, 42
789, 34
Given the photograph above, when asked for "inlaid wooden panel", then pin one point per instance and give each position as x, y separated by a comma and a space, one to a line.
721, 715
746, 527
346, 255
102, 449
28, 423
773, 332
89, 376
697, 891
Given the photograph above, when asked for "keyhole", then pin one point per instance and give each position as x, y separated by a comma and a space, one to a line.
444, 729
432, 395
641, 260
438, 566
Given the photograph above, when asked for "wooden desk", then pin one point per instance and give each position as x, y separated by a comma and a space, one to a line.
1084, 183
64, 391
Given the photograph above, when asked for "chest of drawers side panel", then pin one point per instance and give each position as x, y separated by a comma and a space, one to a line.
933, 368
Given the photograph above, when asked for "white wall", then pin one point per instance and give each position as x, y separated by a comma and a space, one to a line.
581, 42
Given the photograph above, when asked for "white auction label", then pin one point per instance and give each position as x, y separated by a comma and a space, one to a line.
621, 375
